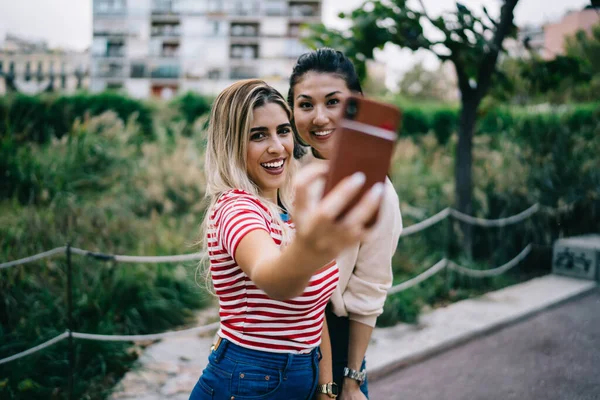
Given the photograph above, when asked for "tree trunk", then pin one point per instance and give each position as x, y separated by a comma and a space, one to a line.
463, 165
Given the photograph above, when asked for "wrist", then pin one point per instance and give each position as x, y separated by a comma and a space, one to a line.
351, 384
355, 375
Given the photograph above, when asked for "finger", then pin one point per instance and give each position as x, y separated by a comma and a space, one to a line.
342, 194
366, 208
303, 181
315, 191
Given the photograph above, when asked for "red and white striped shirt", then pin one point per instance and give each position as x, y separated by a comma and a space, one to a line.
249, 317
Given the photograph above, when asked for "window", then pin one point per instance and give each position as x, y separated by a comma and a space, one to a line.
248, 30
27, 71
304, 10
275, 7
138, 70
215, 6
109, 6
165, 71
40, 72
243, 73
214, 74
246, 52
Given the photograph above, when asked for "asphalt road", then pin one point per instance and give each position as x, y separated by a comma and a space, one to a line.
554, 355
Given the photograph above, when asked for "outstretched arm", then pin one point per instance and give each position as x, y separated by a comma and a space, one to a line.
320, 236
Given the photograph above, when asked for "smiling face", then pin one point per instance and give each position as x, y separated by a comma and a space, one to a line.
270, 148
319, 100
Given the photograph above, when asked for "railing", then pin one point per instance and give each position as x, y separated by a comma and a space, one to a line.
438, 267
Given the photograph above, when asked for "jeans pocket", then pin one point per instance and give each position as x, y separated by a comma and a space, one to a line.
213, 383
202, 391
254, 381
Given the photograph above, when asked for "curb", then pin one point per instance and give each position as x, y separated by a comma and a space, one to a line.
382, 371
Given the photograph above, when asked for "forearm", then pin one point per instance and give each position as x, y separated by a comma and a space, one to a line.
285, 275
325, 364
360, 335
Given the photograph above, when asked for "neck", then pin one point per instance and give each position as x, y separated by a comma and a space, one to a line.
270, 195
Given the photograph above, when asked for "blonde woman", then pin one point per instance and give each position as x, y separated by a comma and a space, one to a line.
271, 264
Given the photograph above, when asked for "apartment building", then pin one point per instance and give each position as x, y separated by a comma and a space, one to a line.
548, 40
556, 33
31, 67
163, 47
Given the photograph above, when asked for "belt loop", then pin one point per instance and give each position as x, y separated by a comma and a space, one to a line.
219, 348
290, 360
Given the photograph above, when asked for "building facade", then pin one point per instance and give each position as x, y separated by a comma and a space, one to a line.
556, 33
31, 67
163, 47
548, 41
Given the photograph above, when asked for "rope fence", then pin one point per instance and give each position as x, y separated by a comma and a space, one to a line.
435, 269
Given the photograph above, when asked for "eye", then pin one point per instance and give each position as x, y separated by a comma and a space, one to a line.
305, 105
284, 131
332, 102
257, 136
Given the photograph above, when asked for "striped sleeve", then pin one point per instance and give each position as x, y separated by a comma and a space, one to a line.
238, 217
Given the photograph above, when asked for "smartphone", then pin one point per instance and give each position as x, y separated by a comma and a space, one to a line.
364, 141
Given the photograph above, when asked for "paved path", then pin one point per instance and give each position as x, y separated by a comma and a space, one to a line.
554, 355
169, 369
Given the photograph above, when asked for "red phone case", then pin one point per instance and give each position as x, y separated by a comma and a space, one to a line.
365, 142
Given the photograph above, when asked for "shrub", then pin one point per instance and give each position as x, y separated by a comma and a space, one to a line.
40, 118
444, 124
192, 106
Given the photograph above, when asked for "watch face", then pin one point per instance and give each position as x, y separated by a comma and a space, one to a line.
334, 389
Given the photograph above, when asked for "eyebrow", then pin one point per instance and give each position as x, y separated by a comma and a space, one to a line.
310, 98
264, 128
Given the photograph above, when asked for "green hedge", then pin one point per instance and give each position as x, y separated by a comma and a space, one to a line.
444, 121
39, 118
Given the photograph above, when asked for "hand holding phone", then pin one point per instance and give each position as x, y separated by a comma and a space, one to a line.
365, 141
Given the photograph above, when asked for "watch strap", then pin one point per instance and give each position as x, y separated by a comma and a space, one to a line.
356, 375
330, 389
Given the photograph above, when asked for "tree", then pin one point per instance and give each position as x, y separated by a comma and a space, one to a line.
420, 83
471, 43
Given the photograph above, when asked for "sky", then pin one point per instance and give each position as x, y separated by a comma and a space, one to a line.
68, 23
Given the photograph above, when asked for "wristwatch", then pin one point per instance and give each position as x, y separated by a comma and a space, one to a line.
353, 374
330, 389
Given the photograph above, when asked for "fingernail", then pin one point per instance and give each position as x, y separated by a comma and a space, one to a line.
377, 189
358, 179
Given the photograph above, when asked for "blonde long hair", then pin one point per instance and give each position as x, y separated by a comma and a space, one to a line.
225, 162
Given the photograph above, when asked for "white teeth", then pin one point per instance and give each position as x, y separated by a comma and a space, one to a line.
323, 133
277, 164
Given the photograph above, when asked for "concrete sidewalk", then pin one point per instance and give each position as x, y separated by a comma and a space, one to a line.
169, 369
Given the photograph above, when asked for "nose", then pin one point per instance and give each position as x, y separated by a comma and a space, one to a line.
321, 118
276, 147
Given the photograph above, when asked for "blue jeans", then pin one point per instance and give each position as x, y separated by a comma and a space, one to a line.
235, 372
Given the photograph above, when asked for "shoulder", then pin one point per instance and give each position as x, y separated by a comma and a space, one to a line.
236, 201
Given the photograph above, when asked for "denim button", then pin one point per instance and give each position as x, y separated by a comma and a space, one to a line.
267, 377
242, 375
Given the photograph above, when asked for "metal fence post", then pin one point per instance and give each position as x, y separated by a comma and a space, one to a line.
70, 319
447, 245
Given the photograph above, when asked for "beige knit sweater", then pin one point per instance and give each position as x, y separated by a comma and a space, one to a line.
366, 269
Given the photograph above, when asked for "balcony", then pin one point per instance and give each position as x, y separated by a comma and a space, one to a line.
110, 7
166, 30
244, 51
305, 10
165, 7
243, 72
165, 72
